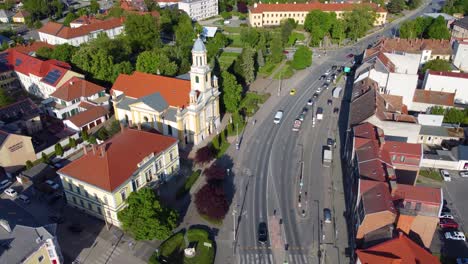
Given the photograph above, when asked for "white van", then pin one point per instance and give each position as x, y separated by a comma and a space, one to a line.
278, 117
24, 199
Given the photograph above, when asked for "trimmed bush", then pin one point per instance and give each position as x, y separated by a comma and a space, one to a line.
189, 182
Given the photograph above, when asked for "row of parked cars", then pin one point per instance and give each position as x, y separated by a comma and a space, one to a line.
448, 224
446, 175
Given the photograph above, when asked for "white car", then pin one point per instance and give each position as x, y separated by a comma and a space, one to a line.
445, 175
464, 174
455, 235
446, 216
52, 184
278, 117
10, 192
310, 102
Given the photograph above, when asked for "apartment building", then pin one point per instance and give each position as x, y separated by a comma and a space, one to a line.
199, 9
15, 150
101, 180
264, 15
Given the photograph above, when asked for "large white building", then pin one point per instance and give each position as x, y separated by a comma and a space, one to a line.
460, 57
199, 9
80, 31
450, 82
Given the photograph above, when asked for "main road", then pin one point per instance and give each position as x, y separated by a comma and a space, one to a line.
272, 160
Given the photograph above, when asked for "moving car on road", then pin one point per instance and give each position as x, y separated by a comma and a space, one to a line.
448, 223
445, 175
262, 233
316, 95
310, 102
329, 102
278, 117
292, 92
10, 192
297, 125
336, 110
319, 113
455, 235
327, 215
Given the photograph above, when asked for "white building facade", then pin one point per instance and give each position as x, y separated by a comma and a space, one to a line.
451, 82
460, 59
199, 9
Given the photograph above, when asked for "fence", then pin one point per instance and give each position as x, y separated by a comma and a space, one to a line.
64, 142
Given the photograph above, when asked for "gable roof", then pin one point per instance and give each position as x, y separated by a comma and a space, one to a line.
88, 116
137, 85
21, 110
122, 153
398, 250
434, 97
76, 88
155, 101
418, 194
306, 7
61, 31
442, 47
30, 48
463, 23
21, 14
377, 198
5, 13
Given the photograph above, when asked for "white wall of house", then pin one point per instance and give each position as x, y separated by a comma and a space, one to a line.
70, 125
54, 40
403, 85
409, 131
459, 86
439, 164
460, 59
405, 63
199, 9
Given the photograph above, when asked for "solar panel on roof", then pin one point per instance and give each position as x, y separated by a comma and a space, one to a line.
52, 76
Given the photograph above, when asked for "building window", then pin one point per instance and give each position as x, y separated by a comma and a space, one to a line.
40, 258
90, 207
99, 210
407, 205
197, 80
82, 203
105, 199
417, 207
78, 189
96, 197
402, 158
123, 195
70, 186
171, 156
74, 199
393, 157
86, 193
108, 214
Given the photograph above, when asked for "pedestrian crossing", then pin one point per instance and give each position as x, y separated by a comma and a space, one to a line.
264, 258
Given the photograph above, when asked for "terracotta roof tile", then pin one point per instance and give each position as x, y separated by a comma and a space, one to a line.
449, 74
405, 222
122, 153
434, 97
418, 194
61, 31
306, 7
441, 47
33, 47
174, 91
76, 88
401, 249
85, 117
378, 199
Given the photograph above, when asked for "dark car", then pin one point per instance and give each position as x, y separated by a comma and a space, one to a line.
446, 210
262, 233
334, 67
336, 110
350, 55
330, 142
329, 102
448, 223
315, 95
322, 77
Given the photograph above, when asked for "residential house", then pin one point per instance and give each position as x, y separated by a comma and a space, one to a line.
451, 82
15, 150
185, 109
88, 116
55, 33
384, 111
168, 3
398, 250
460, 29
425, 100
38, 77
29, 245
5, 16
419, 208
101, 180
460, 57
199, 9
436, 135
406, 160
22, 117
21, 16
264, 15
454, 159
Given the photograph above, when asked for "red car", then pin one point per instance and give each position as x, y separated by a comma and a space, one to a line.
448, 223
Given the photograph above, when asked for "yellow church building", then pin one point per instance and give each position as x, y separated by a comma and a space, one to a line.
185, 109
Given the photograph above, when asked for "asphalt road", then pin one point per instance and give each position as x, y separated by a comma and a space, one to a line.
270, 166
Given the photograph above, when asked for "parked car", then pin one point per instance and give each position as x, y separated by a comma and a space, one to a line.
301, 117
10, 192
310, 102
462, 260
24, 198
445, 216
327, 215
327, 72
464, 174
445, 175
455, 235
322, 77
316, 95
448, 223
262, 233
325, 85
334, 67
329, 102
336, 110
53, 185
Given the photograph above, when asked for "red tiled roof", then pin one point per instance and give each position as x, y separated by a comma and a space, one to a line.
122, 153
86, 20
386, 62
414, 45
418, 194
83, 118
434, 97
411, 149
86, 105
306, 7
139, 84
61, 31
398, 250
33, 47
449, 74
368, 131
76, 88
377, 198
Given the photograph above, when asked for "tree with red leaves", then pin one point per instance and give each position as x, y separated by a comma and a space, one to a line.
204, 155
211, 201
215, 173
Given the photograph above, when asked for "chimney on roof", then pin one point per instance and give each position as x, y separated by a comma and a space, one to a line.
255, 5
276, 2
294, 2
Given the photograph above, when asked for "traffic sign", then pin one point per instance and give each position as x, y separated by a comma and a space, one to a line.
347, 69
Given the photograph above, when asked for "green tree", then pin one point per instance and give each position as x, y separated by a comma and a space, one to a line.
232, 92
156, 61
124, 67
151, 5
44, 158
57, 7
94, 7
37, 8
408, 30
4, 46
318, 23
72, 142
248, 65
276, 50
184, 32
260, 58
214, 45
29, 164
249, 36
358, 22
302, 58
69, 18
437, 110
64, 52
103, 134
58, 149
338, 31
438, 29
437, 65
287, 26
142, 32
84, 135
145, 218
92, 140
396, 6
4, 98
454, 116
413, 4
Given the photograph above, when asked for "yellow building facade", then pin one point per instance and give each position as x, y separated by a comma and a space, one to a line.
15, 150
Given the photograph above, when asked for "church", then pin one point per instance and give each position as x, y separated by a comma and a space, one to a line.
185, 109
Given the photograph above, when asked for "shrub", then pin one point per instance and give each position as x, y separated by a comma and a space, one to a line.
58, 149
214, 173
189, 182
103, 134
204, 155
45, 158
92, 140
72, 143
302, 58
226, 15
211, 201
29, 164
84, 135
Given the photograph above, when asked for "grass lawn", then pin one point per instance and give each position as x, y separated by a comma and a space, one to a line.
284, 73
235, 41
232, 29
204, 254
252, 101
267, 69
431, 174
295, 36
226, 59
